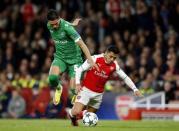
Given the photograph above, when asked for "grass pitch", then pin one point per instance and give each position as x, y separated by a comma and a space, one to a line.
106, 125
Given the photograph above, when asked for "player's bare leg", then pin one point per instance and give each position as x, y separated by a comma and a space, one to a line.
54, 81
85, 109
91, 109
76, 110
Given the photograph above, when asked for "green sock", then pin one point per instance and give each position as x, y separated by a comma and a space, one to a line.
54, 81
59, 86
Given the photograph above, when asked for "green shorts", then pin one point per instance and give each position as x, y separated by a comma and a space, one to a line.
65, 67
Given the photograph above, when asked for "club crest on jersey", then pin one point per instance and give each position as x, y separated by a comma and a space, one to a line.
62, 34
78, 97
111, 68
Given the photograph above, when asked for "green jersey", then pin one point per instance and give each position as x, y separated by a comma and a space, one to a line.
64, 38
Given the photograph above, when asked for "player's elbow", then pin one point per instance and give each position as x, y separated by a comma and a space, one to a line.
80, 42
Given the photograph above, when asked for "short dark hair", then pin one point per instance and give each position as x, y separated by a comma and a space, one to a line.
112, 48
52, 14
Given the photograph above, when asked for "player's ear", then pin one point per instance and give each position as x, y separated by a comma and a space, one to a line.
105, 53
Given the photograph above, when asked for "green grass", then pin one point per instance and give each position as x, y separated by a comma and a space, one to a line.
64, 125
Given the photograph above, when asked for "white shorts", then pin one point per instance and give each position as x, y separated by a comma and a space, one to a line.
90, 98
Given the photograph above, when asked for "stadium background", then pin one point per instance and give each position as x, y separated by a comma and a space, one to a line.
145, 31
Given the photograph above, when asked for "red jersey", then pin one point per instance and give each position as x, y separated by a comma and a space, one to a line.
95, 80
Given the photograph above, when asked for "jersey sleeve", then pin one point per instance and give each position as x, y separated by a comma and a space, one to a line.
72, 32
79, 70
125, 78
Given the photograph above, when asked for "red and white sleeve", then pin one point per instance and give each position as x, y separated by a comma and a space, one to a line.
125, 78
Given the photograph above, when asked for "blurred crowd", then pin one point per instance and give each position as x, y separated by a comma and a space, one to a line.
145, 31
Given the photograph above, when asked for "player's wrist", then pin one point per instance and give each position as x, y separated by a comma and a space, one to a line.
135, 89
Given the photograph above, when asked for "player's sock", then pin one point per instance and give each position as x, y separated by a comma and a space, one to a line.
73, 118
59, 87
54, 82
80, 116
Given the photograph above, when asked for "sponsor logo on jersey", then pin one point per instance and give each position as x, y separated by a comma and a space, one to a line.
63, 41
101, 74
60, 41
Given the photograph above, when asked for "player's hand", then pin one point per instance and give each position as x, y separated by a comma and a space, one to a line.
78, 88
138, 93
93, 65
76, 21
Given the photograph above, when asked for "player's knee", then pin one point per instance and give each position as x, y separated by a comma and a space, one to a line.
53, 80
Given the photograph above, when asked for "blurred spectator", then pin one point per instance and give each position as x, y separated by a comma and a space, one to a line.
174, 17
28, 11
168, 91
16, 107
52, 111
146, 88
113, 7
5, 96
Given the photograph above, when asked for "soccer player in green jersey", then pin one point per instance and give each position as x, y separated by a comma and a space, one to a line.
68, 46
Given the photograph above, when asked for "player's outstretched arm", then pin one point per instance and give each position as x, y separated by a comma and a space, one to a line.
128, 82
87, 54
77, 39
76, 22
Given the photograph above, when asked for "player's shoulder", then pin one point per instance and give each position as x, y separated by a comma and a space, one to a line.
116, 65
97, 56
65, 23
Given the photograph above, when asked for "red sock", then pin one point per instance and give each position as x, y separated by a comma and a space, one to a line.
80, 116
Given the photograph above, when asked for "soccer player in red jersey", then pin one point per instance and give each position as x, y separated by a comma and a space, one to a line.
90, 91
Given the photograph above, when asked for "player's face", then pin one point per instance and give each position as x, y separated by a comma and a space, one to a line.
110, 57
54, 23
